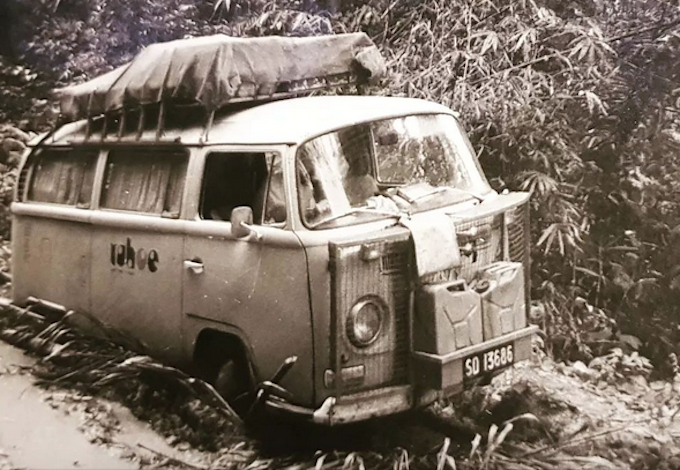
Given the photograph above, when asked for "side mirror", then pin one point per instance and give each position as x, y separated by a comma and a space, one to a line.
241, 220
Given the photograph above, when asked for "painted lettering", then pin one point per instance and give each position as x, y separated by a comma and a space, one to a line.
141, 258
153, 261
127, 256
121, 255
130, 255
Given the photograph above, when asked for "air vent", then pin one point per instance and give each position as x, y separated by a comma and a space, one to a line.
516, 235
386, 361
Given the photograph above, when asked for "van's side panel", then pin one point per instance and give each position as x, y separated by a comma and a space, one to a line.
136, 278
254, 288
258, 288
51, 258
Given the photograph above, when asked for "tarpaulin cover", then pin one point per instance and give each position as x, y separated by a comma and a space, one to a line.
213, 70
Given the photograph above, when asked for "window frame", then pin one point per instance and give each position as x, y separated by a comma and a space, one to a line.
473, 162
216, 151
100, 179
30, 168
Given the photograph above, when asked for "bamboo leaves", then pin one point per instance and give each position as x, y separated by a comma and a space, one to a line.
562, 236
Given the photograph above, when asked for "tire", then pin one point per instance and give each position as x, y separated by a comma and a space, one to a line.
233, 384
221, 360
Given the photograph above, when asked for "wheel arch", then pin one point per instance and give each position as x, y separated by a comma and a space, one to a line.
215, 343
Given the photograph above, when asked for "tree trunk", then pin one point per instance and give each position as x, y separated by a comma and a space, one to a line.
6, 18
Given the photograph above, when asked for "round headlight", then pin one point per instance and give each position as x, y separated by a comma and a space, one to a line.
365, 321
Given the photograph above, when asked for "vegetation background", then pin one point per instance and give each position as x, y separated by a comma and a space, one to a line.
576, 101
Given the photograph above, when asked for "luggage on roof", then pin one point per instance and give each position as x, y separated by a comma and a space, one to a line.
214, 71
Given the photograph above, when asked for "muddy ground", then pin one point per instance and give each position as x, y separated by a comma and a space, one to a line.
59, 428
563, 416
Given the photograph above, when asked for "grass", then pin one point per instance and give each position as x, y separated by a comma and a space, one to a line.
190, 410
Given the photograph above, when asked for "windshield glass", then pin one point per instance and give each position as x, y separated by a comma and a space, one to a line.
380, 169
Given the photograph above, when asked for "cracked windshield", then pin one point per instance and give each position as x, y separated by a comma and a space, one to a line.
384, 168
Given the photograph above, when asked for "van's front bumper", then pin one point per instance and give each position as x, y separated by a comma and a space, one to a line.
349, 408
434, 377
438, 376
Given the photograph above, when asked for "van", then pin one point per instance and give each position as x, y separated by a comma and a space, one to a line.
338, 257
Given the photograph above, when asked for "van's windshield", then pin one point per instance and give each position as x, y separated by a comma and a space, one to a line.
382, 168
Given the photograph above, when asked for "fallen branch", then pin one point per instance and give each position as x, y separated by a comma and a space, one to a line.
102, 366
661, 28
167, 457
514, 67
554, 449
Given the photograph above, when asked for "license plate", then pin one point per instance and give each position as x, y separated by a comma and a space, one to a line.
488, 361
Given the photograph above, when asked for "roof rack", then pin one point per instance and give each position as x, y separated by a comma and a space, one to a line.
215, 73
115, 124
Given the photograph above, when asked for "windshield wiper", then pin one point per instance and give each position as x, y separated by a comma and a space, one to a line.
438, 190
358, 210
468, 193
417, 198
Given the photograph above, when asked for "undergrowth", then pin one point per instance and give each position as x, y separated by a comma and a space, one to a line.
510, 428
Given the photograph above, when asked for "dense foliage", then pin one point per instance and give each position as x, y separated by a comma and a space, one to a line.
576, 102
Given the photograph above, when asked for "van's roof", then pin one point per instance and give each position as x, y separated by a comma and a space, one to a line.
289, 121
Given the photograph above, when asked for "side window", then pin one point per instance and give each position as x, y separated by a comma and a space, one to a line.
244, 179
145, 180
63, 177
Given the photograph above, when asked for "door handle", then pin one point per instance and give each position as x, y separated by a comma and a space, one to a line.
196, 266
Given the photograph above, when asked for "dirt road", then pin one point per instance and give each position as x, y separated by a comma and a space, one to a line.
42, 429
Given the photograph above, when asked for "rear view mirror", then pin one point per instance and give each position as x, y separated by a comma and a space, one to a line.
241, 220
388, 138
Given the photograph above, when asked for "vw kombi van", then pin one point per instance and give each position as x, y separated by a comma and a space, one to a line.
343, 255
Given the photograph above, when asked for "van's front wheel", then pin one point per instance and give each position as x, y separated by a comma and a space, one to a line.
221, 360
233, 384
